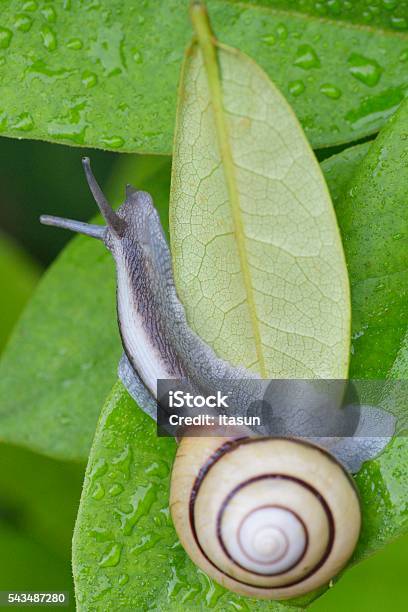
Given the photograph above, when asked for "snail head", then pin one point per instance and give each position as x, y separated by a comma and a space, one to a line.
136, 221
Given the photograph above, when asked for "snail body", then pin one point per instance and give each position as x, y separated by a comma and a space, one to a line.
271, 518
266, 517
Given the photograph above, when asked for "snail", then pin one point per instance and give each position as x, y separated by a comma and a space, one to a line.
270, 517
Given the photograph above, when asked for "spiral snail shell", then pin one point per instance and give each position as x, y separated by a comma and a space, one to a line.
272, 518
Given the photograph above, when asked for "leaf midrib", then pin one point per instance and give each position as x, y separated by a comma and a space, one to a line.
207, 44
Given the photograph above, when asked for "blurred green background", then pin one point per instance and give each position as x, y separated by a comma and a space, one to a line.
38, 496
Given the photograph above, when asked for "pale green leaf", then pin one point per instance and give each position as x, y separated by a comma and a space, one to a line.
257, 254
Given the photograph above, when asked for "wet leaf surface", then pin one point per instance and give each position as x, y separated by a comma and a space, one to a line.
341, 67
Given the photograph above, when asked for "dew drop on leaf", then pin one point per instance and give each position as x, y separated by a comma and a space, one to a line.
330, 90
390, 4
306, 58
49, 14
31, 6
100, 534
399, 23
114, 142
296, 87
75, 43
116, 489
269, 39
137, 56
99, 469
5, 37
98, 492
23, 23
123, 579
49, 38
24, 122
364, 69
89, 79
282, 31
111, 555
72, 125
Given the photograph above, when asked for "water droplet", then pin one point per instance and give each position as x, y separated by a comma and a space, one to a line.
331, 91
282, 31
75, 43
49, 14
99, 468
159, 469
3, 121
49, 39
23, 23
269, 39
306, 58
374, 110
137, 56
334, 7
98, 492
100, 534
399, 23
124, 459
240, 606
382, 162
40, 70
364, 69
403, 57
89, 79
115, 489
71, 126
5, 37
111, 556
140, 504
123, 579
23, 122
296, 87
31, 6
146, 543
107, 49
390, 4
213, 593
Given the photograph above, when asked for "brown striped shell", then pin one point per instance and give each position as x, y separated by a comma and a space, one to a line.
265, 517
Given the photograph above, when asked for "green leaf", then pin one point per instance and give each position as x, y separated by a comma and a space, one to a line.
62, 359
125, 550
374, 224
339, 169
113, 69
258, 261
18, 277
